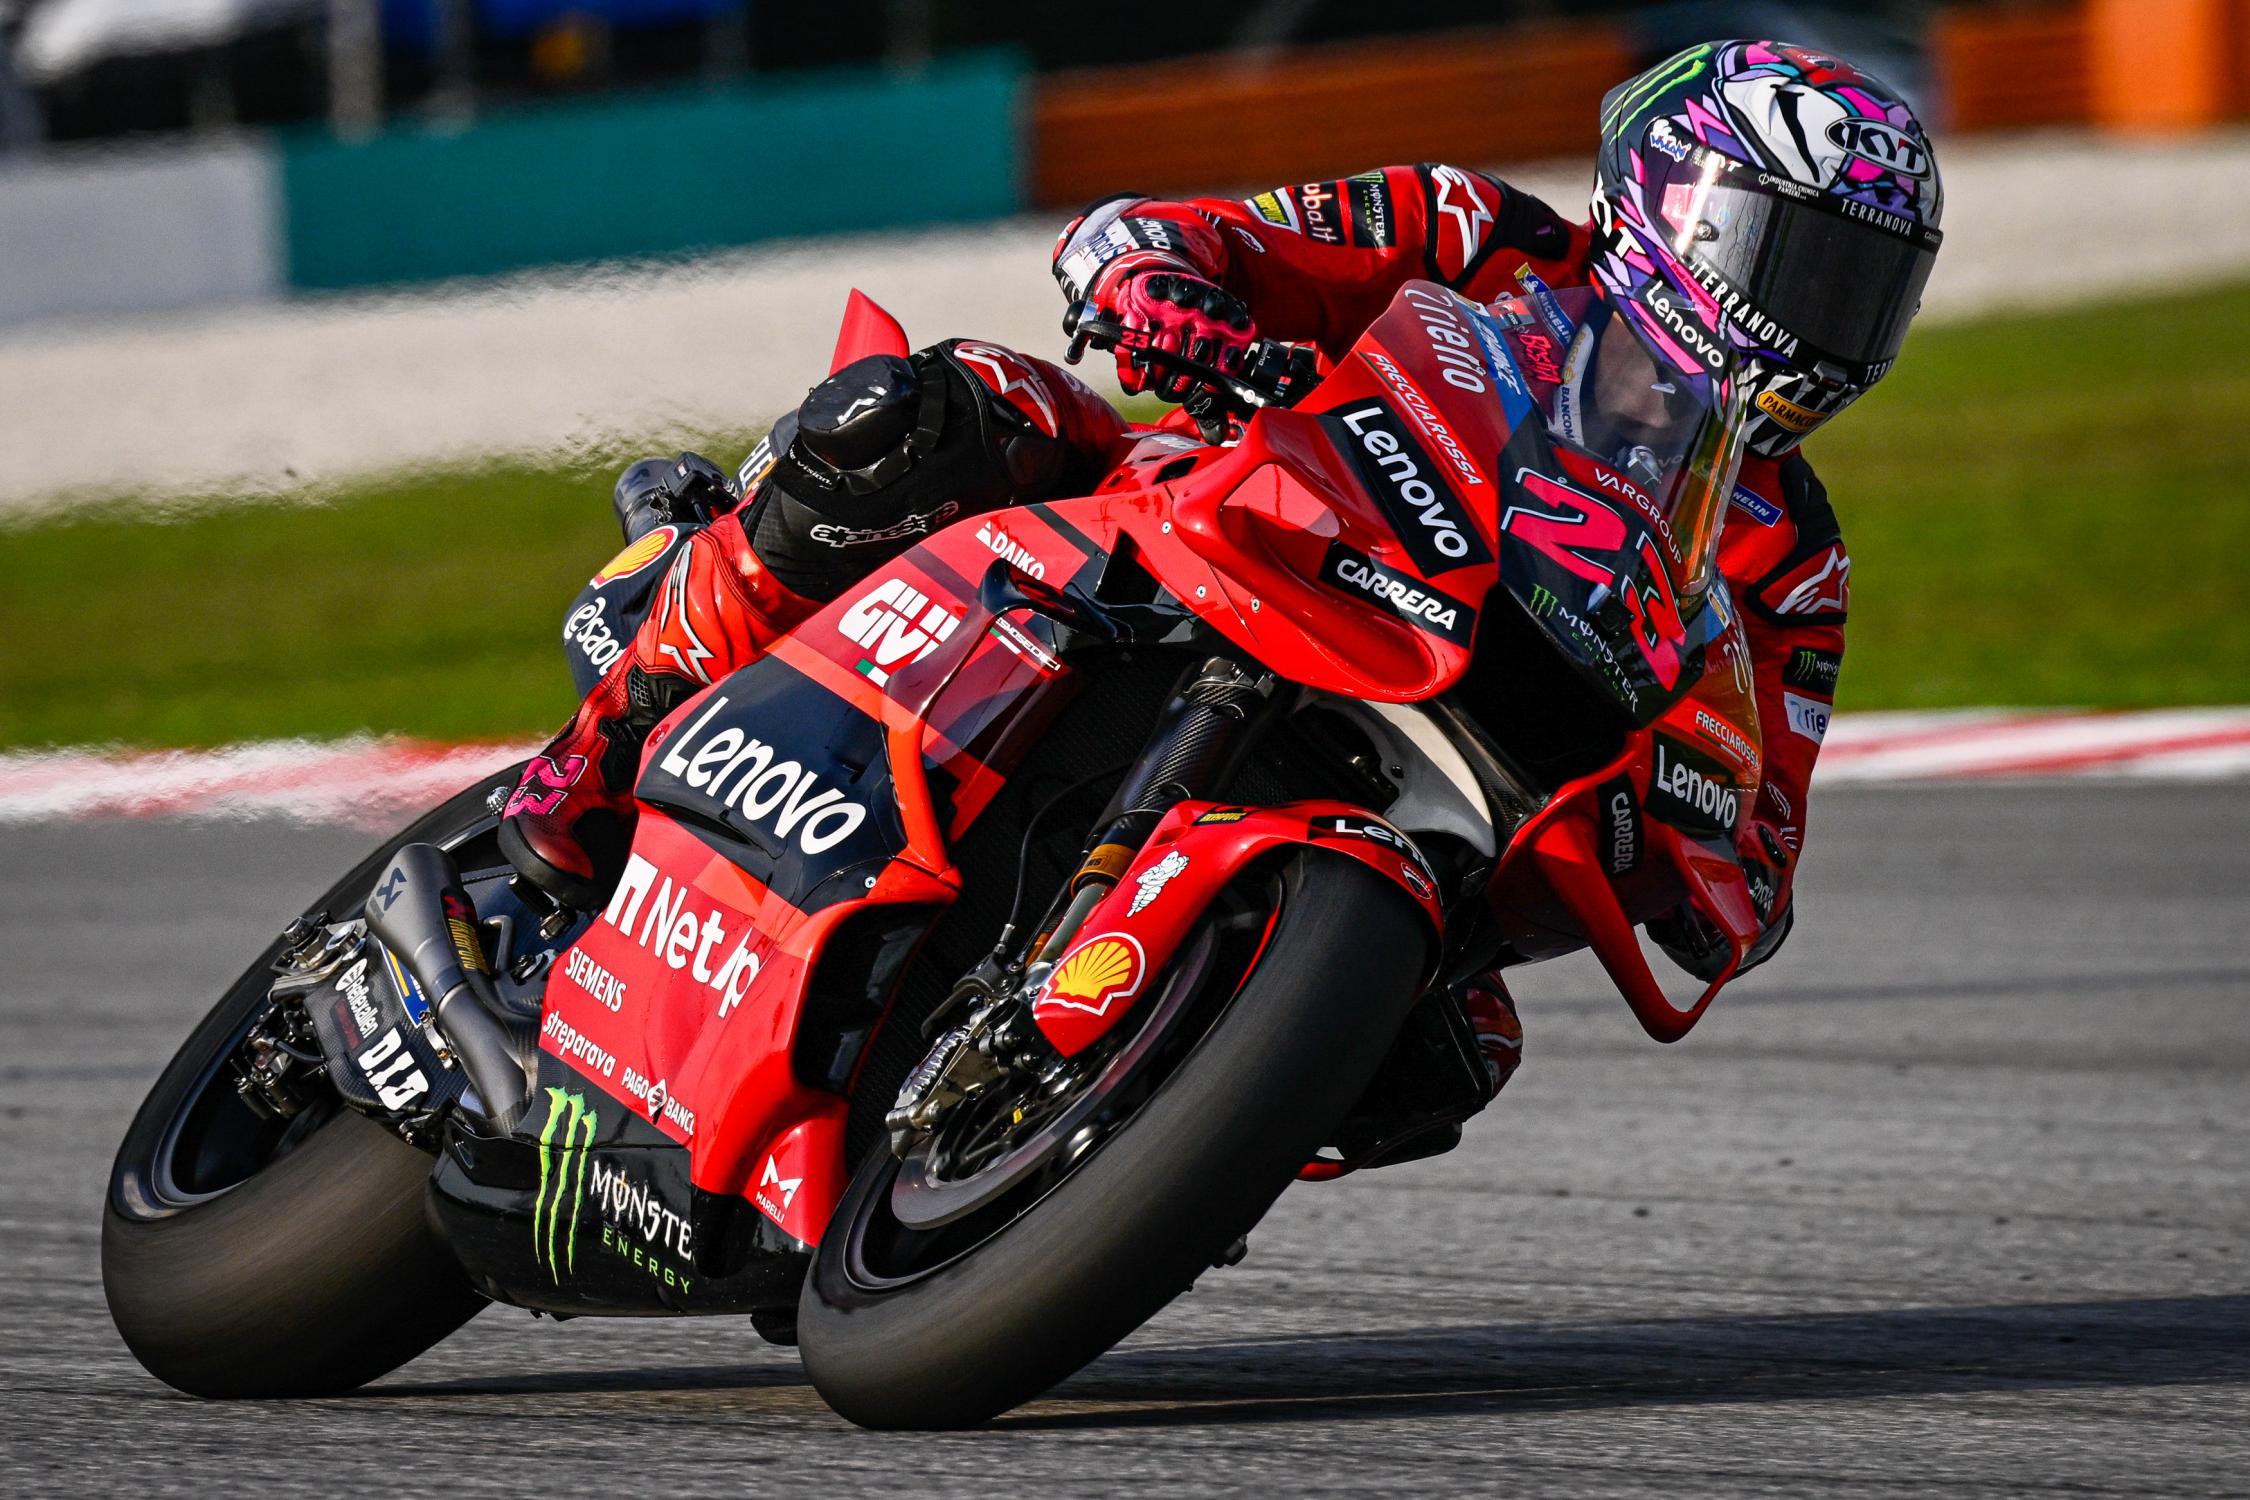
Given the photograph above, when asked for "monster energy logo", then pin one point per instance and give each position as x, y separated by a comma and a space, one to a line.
567, 1177
1543, 600
1664, 76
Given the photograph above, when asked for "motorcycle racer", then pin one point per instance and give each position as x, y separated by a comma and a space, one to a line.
1715, 165
1792, 198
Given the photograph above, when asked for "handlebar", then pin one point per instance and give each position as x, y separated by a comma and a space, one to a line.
1272, 373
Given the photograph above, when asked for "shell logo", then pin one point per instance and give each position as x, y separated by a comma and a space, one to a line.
636, 556
1096, 974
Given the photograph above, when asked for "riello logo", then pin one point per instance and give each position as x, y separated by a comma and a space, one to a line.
654, 911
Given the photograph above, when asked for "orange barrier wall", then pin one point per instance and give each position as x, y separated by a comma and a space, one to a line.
1483, 96
2131, 66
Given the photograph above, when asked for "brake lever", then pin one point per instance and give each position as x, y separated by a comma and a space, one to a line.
1279, 374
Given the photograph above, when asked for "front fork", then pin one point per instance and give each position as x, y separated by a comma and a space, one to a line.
1205, 729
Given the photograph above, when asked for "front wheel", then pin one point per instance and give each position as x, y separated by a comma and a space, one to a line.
946, 1324
245, 1256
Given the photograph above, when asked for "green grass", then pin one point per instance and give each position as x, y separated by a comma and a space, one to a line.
2042, 510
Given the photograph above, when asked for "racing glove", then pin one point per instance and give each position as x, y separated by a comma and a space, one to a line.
689, 489
1182, 314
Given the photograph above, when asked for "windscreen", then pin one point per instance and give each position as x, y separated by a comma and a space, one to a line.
1625, 400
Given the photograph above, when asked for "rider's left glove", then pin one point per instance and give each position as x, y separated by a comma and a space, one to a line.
689, 489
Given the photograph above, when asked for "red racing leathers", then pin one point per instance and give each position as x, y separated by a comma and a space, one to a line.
1319, 261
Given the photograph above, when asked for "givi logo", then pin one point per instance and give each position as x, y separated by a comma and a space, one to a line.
895, 623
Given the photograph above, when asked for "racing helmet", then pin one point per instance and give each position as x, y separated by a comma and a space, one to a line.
1791, 198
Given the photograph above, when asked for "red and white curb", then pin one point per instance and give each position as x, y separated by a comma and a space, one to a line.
373, 783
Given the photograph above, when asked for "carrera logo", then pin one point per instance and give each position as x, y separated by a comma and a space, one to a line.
637, 556
1621, 818
1690, 791
1097, 974
1436, 530
737, 773
1401, 594
1680, 321
1883, 144
896, 624
653, 910
1788, 413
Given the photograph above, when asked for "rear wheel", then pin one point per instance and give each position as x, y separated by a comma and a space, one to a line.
247, 1256
992, 1264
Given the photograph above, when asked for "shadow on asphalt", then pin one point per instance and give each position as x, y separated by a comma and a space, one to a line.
1498, 1368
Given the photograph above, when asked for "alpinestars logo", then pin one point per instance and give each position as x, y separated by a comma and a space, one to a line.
896, 624
1014, 381
564, 1143
1459, 201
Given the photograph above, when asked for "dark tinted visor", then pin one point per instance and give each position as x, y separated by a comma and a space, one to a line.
1845, 286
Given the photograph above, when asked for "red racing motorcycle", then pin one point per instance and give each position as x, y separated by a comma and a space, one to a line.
992, 954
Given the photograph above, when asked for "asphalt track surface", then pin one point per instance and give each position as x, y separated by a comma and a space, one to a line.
1956, 1199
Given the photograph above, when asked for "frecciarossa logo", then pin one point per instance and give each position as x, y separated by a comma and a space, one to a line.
735, 773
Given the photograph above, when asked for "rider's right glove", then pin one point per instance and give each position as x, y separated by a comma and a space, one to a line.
1182, 314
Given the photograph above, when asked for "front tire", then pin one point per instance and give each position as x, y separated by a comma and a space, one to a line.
245, 1257
1154, 1205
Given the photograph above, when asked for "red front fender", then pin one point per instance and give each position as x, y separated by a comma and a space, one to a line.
1132, 934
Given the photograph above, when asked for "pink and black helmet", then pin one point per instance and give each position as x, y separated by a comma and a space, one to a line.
1790, 199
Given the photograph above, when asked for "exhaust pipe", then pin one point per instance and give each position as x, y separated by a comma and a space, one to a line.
421, 913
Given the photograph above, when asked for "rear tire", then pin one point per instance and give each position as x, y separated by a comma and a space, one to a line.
1155, 1204
241, 1259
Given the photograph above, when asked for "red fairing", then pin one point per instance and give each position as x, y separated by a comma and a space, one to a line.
1132, 935
682, 1002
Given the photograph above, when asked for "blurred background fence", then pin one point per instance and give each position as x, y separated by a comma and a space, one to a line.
282, 145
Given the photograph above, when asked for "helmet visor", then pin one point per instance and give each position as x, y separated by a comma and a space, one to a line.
1823, 278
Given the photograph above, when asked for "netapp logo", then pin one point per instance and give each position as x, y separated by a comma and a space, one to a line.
737, 772
1421, 509
1402, 594
653, 910
1690, 792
